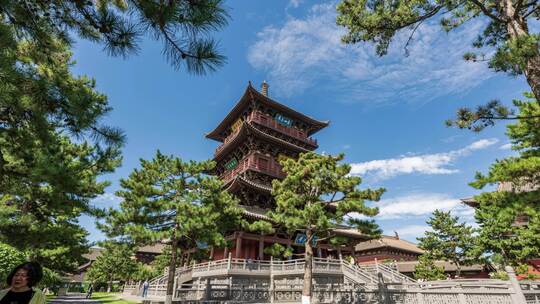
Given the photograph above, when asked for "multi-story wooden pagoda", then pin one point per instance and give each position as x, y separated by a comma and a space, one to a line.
253, 135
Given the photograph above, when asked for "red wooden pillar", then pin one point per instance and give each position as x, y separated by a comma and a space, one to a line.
261, 247
238, 246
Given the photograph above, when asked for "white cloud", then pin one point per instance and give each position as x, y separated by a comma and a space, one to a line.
295, 3
410, 231
437, 163
420, 205
305, 53
418, 208
507, 146
416, 205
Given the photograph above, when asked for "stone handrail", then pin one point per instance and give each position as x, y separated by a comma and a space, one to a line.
251, 267
366, 289
348, 293
357, 274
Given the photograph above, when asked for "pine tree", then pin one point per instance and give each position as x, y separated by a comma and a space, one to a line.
169, 200
450, 240
53, 147
118, 25
427, 270
510, 219
506, 31
316, 196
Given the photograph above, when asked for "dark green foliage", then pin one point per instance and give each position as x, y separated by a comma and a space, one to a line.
182, 26
166, 192
278, 251
145, 272
318, 194
486, 115
52, 149
162, 261
427, 270
9, 259
449, 241
50, 278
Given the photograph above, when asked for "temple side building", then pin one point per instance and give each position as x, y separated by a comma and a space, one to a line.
386, 248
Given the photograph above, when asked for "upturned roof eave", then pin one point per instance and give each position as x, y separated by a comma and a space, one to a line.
244, 101
470, 201
382, 242
240, 180
319, 124
243, 131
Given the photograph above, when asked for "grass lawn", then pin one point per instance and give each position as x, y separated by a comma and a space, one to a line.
109, 298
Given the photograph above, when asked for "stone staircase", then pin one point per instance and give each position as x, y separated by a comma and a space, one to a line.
368, 275
389, 273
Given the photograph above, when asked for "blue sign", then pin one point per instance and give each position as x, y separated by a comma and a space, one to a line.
286, 121
302, 238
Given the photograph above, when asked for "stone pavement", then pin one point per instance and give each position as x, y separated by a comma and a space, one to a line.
73, 298
135, 298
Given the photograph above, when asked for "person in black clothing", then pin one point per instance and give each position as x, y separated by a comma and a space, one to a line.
21, 281
89, 291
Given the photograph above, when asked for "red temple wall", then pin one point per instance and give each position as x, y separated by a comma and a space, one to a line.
384, 255
219, 254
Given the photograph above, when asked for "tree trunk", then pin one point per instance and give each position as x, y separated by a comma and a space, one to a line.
458, 269
516, 27
172, 267
109, 285
308, 270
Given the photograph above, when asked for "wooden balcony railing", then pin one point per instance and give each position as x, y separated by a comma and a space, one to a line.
226, 141
268, 121
256, 162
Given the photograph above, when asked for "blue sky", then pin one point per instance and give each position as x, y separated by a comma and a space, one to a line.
386, 113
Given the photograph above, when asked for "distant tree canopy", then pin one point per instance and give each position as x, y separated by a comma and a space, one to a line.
450, 241
115, 263
182, 26
427, 270
9, 258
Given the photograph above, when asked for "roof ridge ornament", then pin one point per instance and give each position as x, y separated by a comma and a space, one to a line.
264, 88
